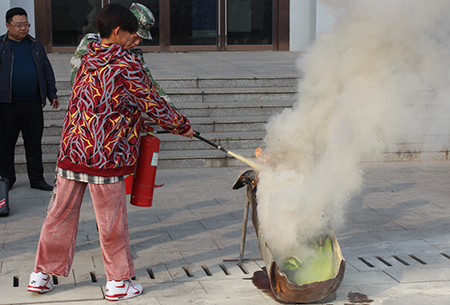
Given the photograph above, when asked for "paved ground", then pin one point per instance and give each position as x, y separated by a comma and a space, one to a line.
401, 217
395, 236
204, 64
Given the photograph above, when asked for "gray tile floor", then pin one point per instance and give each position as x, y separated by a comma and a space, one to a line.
395, 239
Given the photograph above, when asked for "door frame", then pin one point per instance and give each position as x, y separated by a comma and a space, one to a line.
280, 30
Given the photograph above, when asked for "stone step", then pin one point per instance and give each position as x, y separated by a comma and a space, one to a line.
231, 112
233, 95
229, 82
202, 124
233, 109
179, 96
214, 82
236, 109
229, 140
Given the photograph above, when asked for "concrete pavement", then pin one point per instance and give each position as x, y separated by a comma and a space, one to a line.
203, 64
395, 239
395, 236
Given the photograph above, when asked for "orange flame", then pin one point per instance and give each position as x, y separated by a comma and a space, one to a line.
260, 155
258, 152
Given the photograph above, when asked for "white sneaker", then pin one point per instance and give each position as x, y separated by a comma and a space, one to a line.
40, 282
119, 290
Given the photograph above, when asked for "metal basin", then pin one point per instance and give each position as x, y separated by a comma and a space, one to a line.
282, 288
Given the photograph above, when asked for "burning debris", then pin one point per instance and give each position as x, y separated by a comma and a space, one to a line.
247, 177
316, 267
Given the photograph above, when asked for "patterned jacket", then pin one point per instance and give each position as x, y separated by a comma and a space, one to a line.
75, 61
101, 130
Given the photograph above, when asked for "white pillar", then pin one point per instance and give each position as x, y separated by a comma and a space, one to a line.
325, 20
302, 24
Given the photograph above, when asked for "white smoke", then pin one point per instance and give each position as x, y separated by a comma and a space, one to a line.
379, 78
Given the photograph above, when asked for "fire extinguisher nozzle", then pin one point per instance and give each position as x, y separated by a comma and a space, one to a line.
222, 149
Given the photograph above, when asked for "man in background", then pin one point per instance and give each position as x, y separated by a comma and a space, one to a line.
27, 80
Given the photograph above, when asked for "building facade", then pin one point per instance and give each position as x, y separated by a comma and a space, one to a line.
182, 25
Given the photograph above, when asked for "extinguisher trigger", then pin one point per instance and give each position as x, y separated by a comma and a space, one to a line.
159, 185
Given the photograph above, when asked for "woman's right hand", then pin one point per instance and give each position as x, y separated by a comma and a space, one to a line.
188, 134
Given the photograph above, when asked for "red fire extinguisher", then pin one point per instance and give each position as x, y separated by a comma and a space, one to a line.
145, 173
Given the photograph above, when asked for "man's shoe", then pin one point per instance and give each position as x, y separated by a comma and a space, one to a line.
119, 290
43, 186
40, 282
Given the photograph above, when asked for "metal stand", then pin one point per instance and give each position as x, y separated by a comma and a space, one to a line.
244, 233
244, 227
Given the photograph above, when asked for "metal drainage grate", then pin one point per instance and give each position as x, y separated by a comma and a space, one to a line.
16, 280
224, 269
206, 270
397, 258
150, 273
93, 277
400, 260
383, 261
208, 273
366, 262
243, 269
417, 259
188, 272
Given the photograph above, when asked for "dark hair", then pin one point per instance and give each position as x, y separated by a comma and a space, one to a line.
13, 12
114, 15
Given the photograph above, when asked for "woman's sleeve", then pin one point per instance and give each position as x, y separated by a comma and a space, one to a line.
142, 91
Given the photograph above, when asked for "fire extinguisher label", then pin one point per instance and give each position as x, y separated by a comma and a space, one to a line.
155, 159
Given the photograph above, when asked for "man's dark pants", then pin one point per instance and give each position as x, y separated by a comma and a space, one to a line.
26, 117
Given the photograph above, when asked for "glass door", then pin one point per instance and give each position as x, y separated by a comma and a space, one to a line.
249, 22
72, 19
181, 25
221, 24
193, 23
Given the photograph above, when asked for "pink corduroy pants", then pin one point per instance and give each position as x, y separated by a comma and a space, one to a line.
57, 242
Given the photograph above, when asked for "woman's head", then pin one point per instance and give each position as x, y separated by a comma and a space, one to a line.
115, 17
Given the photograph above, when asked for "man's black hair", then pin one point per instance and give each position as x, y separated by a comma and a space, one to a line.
13, 12
114, 15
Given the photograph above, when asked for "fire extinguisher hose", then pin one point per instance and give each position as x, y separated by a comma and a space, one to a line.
198, 136
239, 157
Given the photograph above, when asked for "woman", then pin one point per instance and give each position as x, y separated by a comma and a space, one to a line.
145, 21
99, 146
